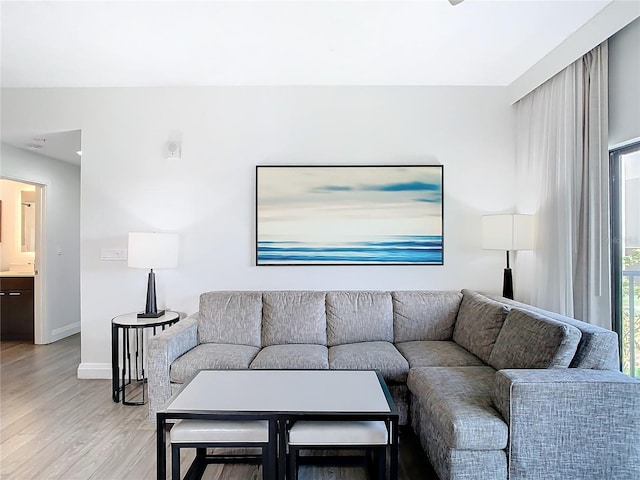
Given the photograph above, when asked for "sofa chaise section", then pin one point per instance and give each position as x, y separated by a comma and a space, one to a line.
455, 404
530, 413
453, 416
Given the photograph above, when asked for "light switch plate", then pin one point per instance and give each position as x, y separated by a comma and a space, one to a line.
113, 254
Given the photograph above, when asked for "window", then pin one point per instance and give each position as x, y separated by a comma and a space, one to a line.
625, 251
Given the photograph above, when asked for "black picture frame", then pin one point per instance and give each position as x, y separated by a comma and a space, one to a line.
349, 215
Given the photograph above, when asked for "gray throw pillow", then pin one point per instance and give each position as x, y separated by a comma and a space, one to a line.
478, 324
530, 340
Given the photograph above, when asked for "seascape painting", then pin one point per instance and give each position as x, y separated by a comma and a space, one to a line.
349, 215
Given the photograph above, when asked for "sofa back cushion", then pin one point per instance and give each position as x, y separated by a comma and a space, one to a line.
598, 348
478, 324
424, 316
230, 317
354, 317
293, 317
530, 340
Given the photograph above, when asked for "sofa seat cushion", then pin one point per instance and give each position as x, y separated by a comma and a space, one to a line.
211, 356
293, 317
419, 315
354, 317
531, 340
380, 356
478, 325
292, 357
458, 400
437, 354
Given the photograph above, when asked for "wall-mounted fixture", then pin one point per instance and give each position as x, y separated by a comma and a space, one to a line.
173, 150
507, 232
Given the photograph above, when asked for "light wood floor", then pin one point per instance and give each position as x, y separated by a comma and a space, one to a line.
54, 426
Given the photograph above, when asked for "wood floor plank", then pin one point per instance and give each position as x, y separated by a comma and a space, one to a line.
54, 426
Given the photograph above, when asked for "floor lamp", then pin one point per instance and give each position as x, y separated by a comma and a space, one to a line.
152, 250
507, 232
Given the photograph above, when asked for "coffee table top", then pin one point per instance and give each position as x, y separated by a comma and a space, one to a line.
295, 391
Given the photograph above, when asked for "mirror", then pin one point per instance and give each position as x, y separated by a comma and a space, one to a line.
28, 221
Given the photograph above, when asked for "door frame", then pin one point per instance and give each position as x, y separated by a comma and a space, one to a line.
41, 329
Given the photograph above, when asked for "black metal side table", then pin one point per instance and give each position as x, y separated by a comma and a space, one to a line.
132, 329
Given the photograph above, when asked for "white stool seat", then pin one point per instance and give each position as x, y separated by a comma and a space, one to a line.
338, 433
220, 431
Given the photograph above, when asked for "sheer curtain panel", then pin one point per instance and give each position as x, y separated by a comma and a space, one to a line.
563, 178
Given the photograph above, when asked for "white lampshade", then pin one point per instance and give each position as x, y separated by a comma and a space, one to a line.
153, 250
507, 232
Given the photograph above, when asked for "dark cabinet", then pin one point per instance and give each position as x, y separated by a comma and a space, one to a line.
16, 308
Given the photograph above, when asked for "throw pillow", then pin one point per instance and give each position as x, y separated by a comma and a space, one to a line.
478, 324
530, 340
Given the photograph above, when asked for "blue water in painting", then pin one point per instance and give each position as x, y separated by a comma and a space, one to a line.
405, 249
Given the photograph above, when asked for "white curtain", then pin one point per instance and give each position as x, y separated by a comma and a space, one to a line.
563, 178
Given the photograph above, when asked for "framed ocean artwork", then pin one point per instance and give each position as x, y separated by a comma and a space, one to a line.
349, 215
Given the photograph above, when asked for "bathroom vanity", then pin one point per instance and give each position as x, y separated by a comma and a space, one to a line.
16, 306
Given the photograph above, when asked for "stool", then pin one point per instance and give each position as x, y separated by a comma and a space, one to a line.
203, 434
371, 436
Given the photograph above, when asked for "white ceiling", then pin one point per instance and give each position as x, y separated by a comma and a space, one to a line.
302, 42
316, 42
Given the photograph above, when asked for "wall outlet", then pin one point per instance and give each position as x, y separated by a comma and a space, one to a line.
113, 254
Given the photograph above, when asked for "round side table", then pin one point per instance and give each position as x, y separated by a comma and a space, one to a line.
132, 331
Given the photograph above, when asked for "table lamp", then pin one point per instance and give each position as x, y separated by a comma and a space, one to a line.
507, 232
152, 250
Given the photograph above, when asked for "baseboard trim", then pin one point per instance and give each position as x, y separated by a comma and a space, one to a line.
93, 371
64, 332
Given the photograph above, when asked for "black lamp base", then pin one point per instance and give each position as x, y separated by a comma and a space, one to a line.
507, 284
151, 308
151, 314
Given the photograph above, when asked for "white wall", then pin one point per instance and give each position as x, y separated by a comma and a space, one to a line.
61, 310
624, 85
208, 196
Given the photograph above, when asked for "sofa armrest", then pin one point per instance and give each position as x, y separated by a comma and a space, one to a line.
162, 350
570, 423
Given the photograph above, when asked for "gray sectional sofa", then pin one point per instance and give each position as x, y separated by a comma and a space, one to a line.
493, 389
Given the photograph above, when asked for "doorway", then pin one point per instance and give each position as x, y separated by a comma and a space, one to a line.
51, 160
21, 257
625, 248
